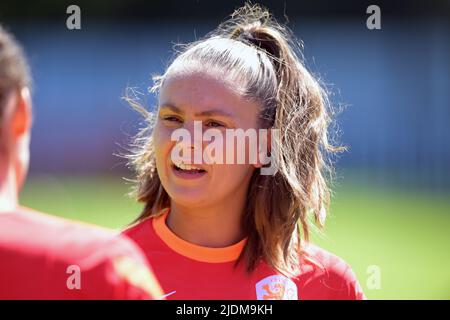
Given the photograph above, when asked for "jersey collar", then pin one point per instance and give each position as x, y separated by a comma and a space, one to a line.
193, 251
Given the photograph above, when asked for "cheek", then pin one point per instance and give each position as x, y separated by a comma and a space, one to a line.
239, 152
231, 177
229, 181
163, 145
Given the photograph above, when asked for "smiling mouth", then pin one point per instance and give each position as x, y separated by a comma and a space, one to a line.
187, 168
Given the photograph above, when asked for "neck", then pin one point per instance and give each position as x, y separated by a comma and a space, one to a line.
8, 189
214, 226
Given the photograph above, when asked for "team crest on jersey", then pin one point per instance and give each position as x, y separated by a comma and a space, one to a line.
276, 287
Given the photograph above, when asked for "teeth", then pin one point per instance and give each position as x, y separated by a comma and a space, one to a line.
187, 167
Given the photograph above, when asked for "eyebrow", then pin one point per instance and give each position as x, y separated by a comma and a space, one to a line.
212, 112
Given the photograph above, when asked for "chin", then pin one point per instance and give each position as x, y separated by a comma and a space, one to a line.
189, 197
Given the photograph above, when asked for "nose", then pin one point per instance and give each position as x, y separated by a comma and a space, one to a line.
191, 143
196, 134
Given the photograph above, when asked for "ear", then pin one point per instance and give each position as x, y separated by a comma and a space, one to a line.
22, 117
264, 147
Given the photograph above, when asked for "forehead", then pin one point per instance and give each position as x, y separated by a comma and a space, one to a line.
197, 91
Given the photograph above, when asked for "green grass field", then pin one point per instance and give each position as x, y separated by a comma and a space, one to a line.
405, 234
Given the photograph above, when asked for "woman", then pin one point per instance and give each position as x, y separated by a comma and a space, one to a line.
215, 230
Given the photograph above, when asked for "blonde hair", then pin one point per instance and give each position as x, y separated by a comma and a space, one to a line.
253, 49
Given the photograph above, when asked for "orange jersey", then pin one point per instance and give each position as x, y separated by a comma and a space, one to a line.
45, 257
188, 271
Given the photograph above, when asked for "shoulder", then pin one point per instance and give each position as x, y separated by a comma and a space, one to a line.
33, 230
139, 231
329, 274
105, 259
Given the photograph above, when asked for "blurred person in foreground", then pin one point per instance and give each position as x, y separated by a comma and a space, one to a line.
45, 257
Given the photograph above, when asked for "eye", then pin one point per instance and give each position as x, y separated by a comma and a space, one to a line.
172, 119
214, 124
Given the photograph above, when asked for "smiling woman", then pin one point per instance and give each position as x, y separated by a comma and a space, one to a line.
227, 231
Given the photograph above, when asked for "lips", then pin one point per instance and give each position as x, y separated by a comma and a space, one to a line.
188, 168
187, 171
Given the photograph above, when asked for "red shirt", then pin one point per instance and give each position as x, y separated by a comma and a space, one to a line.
45, 257
188, 271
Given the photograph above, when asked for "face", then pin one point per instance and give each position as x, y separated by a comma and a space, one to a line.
188, 97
